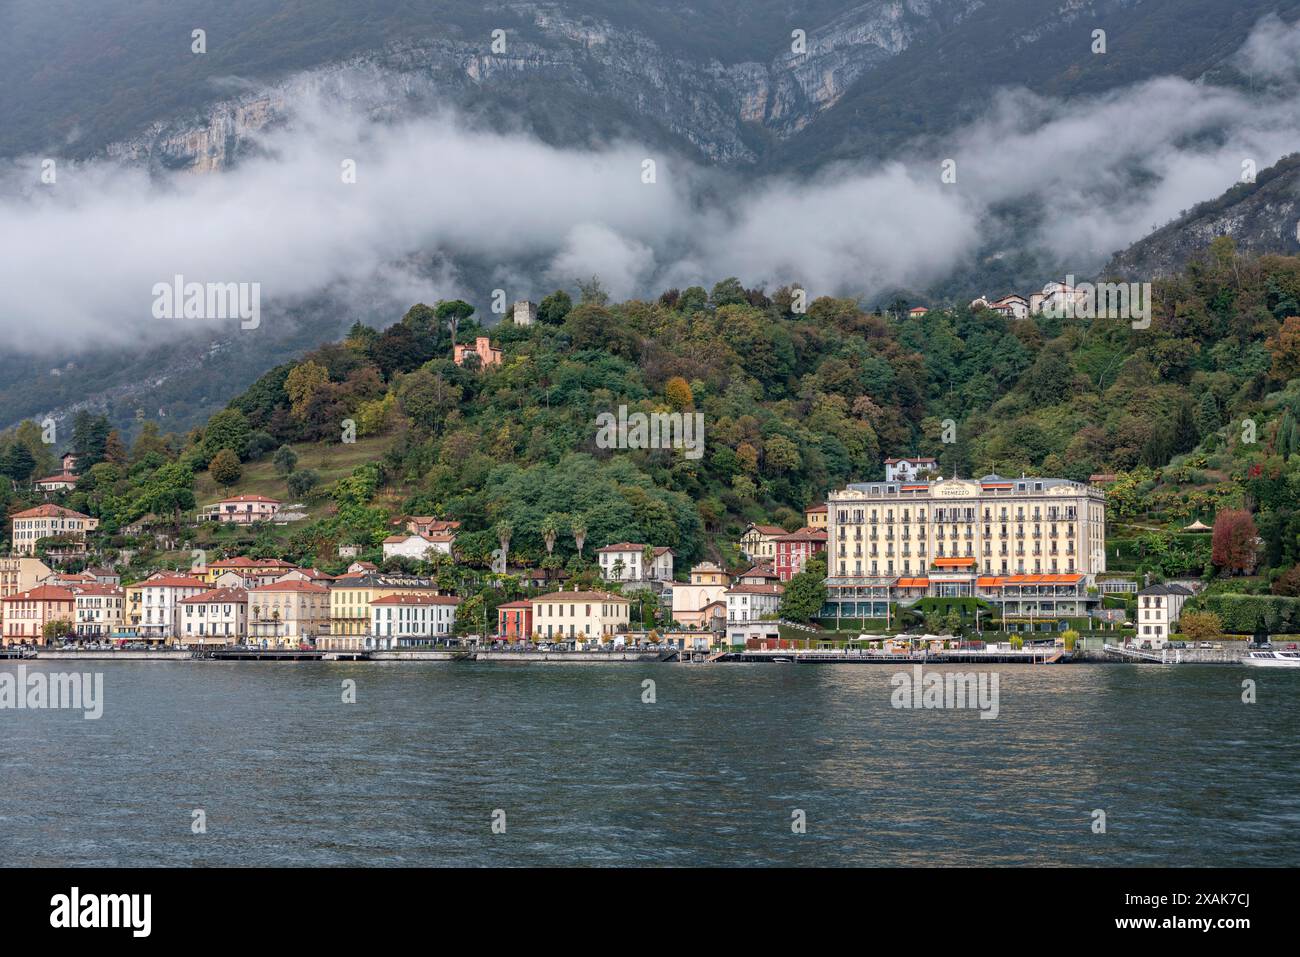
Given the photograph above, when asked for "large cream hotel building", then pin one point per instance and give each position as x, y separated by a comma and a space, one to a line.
993, 538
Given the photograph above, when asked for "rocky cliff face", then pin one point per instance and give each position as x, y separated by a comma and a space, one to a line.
724, 111
1261, 217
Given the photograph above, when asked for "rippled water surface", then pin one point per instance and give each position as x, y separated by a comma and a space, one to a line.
709, 774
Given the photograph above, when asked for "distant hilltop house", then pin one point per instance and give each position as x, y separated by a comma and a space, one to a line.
418, 545
525, 313
62, 482
1056, 298
916, 312
48, 521
241, 510
426, 525
488, 354
625, 562
908, 469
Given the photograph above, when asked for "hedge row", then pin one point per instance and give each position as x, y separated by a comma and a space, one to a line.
1242, 614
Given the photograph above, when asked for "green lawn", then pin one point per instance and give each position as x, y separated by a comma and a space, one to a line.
330, 461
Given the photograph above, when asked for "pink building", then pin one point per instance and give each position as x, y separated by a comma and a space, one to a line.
242, 509
487, 354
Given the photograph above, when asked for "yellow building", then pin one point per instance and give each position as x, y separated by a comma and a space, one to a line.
253, 571
349, 605
20, 574
580, 615
940, 536
759, 541
287, 613
48, 521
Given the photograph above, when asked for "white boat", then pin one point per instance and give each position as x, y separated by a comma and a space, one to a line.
1271, 659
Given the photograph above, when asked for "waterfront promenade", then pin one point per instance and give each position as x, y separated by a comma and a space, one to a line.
1045, 655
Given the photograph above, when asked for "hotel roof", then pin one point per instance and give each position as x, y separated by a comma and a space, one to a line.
416, 600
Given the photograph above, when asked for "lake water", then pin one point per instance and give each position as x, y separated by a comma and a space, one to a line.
710, 774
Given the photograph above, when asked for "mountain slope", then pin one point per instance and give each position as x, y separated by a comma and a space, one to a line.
1261, 217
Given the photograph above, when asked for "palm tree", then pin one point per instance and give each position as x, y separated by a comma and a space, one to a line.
647, 561
550, 532
579, 528
504, 530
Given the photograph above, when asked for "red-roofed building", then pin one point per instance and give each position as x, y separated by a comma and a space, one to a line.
288, 613
27, 613
241, 510
100, 609
215, 617
515, 620
47, 521
62, 482
758, 541
794, 550
159, 604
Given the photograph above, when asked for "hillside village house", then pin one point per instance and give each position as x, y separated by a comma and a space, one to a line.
580, 615
46, 521
1158, 610
418, 545
288, 612
814, 516
160, 596
763, 573
708, 584
625, 562
100, 610
405, 620
27, 612
488, 354
216, 617
241, 510
104, 575
759, 541
427, 525
515, 620
1036, 543
909, 469
62, 482
794, 550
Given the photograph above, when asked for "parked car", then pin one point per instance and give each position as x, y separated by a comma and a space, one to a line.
1206, 644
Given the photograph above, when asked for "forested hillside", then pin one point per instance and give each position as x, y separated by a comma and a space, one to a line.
793, 405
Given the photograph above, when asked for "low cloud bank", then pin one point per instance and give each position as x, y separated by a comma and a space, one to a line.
436, 199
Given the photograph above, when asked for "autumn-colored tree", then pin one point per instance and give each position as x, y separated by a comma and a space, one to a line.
678, 392
301, 384
1285, 347
225, 468
1288, 583
1201, 626
1233, 547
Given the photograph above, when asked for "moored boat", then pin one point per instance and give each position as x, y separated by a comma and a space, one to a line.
1271, 659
